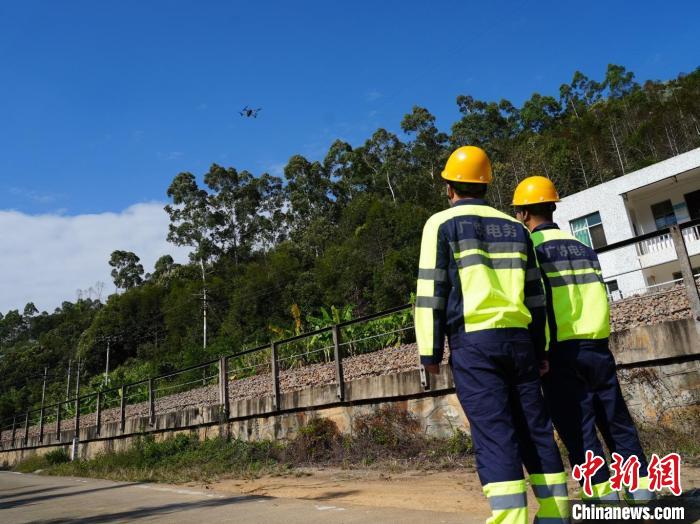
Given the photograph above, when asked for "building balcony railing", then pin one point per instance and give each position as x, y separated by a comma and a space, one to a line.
617, 295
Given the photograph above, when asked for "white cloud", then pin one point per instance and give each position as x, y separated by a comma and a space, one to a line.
373, 94
171, 155
45, 259
34, 196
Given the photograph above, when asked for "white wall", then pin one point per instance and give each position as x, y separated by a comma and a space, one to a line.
623, 264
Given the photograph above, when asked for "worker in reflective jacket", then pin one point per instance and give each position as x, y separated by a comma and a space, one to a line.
479, 285
581, 387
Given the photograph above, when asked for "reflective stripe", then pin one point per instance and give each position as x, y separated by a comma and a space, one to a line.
553, 490
512, 501
431, 302
551, 520
575, 279
506, 487
533, 273
550, 490
489, 247
439, 275
493, 263
569, 265
601, 492
548, 479
640, 495
425, 316
535, 301
546, 235
508, 501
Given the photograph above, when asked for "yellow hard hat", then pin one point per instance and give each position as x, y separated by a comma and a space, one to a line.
535, 190
468, 164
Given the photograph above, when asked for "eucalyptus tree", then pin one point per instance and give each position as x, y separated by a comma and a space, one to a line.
127, 272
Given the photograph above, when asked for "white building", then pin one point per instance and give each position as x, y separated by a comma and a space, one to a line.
641, 202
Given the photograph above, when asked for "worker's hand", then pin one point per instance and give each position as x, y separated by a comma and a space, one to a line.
433, 369
544, 367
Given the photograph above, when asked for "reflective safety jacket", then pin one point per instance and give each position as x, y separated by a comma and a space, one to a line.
477, 277
577, 302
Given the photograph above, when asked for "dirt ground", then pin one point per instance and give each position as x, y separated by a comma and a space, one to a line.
453, 491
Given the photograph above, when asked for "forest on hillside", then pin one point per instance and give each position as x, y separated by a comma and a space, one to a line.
281, 255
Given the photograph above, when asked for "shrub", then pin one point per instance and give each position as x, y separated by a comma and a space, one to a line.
57, 456
460, 443
318, 440
155, 453
388, 431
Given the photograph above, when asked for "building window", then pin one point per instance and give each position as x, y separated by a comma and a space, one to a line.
692, 201
589, 230
663, 214
613, 289
677, 275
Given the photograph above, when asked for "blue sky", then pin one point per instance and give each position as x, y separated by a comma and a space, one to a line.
101, 104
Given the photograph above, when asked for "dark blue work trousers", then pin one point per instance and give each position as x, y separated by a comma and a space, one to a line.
582, 392
498, 387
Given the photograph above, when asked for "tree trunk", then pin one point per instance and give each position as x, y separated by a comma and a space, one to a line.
597, 161
391, 189
583, 169
695, 124
617, 148
671, 143
573, 106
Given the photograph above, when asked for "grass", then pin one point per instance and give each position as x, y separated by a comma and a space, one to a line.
387, 438
178, 459
663, 440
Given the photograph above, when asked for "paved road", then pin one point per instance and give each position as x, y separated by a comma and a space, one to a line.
36, 498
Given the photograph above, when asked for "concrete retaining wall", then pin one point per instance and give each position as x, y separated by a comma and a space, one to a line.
660, 376
660, 373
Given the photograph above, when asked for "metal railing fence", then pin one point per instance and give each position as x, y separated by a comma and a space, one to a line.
149, 397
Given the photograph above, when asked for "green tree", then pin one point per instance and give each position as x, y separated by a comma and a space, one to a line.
164, 265
245, 210
30, 310
192, 221
127, 272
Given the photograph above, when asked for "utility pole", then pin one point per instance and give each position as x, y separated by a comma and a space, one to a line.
41, 412
204, 304
43, 387
107, 365
77, 379
204, 313
70, 361
76, 433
